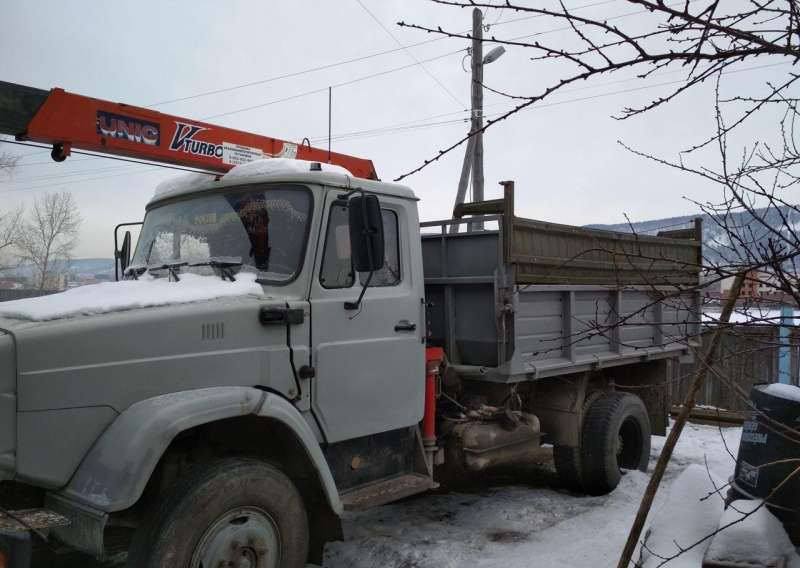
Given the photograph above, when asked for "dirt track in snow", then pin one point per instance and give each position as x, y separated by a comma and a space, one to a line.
522, 519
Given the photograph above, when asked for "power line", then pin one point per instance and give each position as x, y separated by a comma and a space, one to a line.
42, 162
75, 173
335, 85
63, 183
397, 126
564, 28
411, 55
295, 73
523, 18
348, 61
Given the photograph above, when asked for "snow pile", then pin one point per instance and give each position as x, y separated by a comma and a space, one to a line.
786, 392
685, 517
272, 166
757, 540
181, 183
128, 295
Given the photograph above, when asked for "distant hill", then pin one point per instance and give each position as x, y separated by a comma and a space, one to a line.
77, 267
92, 266
717, 246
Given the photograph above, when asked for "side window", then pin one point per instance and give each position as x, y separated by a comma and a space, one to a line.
337, 270
389, 275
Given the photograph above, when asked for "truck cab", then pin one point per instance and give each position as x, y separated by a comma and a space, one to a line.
99, 401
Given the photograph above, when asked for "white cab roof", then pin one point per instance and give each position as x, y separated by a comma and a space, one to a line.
276, 170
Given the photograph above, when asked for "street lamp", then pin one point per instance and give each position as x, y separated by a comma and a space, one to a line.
494, 55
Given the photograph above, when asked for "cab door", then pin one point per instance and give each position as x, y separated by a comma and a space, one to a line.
369, 362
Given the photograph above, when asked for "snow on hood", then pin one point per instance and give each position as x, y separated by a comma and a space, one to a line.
128, 295
269, 166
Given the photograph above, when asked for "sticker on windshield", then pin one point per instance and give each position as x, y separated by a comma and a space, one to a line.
235, 154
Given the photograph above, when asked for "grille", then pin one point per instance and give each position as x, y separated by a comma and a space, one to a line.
213, 331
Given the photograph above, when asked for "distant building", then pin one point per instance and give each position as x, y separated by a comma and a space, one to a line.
758, 287
10, 284
56, 281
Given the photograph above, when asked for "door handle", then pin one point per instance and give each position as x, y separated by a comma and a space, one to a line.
405, 325
280, 315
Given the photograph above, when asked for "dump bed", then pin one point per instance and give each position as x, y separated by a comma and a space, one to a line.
523, 299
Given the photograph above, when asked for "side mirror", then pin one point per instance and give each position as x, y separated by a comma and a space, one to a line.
366, 233
124, 254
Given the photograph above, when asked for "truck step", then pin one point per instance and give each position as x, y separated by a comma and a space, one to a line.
24, 519
386, 491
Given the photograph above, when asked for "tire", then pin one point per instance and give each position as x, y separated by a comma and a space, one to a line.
567, 459
568, 466
231, 508
616, 436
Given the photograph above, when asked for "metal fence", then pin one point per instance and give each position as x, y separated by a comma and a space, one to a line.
748, 355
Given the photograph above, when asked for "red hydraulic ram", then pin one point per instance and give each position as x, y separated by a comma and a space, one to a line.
66, 120
433, 359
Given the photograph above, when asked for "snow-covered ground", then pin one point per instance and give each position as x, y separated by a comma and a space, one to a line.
521, 519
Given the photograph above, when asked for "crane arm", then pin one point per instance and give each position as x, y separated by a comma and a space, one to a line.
66, 121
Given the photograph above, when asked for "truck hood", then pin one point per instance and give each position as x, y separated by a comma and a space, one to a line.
63, 380
127, 295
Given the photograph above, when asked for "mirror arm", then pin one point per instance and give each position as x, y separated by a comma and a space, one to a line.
355, 305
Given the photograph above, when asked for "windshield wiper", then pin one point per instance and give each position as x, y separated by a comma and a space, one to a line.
225, 265
172, 267
134, 271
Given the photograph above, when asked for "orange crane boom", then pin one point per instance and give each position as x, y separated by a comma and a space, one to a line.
66, 121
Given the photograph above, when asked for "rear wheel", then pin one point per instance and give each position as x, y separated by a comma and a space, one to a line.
568, 466
568, 460
235, 512
616, 436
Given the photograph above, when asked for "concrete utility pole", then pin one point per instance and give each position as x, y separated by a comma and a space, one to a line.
473, 157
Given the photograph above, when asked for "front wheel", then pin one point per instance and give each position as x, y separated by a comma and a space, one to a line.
234, 512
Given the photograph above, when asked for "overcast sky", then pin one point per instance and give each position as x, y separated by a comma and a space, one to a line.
564, 157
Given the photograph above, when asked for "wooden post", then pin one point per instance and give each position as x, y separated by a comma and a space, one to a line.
463, 181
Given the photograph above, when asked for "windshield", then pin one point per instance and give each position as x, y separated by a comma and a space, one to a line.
262, 226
